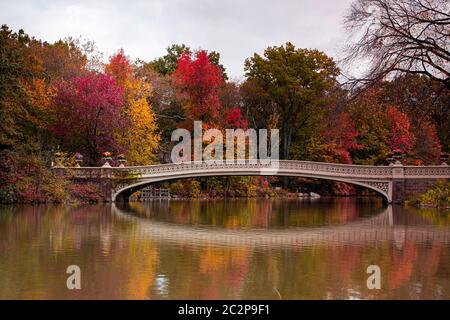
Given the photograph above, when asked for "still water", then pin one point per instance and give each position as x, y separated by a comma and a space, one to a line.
225, 249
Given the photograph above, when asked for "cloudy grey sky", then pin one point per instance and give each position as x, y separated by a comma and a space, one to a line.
235, 28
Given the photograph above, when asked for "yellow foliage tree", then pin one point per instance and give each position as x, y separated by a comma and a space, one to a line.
141, 137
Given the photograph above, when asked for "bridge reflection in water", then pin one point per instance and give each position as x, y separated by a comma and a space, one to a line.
225, 249
378, 228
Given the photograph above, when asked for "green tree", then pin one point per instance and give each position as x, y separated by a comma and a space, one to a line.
168, 63
258, 106
298, 81
23, 173
17, 67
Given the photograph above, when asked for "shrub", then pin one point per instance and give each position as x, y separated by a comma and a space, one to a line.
194, 188
177, 188
251, 190
88, 192
8, 194
27, 179
56, 188
437, 196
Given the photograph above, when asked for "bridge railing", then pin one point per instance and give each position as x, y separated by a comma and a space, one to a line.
427, 171
284, 166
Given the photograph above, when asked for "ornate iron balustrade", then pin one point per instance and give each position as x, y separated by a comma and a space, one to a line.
332, 169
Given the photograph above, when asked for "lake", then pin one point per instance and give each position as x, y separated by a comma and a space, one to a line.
225, 249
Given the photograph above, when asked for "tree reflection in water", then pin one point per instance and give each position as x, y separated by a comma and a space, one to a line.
224, 249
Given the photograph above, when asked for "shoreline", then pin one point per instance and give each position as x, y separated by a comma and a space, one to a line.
283, 197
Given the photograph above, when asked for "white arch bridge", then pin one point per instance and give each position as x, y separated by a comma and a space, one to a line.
395, 183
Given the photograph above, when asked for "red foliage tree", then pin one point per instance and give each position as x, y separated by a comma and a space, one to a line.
201, 80
400, 135
235, 119
119, 67
341, 136
427, 146
87, 115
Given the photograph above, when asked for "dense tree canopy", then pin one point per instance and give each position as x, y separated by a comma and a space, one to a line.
88, 115
201, 80
297, 81
140, 136
61, 97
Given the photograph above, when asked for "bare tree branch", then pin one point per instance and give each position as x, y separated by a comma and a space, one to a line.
399, 36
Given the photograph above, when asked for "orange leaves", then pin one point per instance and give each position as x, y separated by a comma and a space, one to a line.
119, 67
41, 96
140, 137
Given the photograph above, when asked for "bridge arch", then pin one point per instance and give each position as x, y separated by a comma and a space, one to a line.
122, 193
395, 182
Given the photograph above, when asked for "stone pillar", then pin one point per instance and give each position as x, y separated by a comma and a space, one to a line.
106, 183
398, 183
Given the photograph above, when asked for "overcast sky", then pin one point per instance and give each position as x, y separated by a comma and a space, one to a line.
235, 28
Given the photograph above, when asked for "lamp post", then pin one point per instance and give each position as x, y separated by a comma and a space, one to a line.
444, 158
390, 158
107, 158
122, 160
397, 157
59, 156
78, 159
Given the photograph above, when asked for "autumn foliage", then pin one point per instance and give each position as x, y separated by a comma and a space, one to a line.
200, 82
400, 136
138, 137
119, 68
61, 97
88, 113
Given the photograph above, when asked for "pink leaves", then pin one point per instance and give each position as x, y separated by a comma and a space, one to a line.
88, 112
